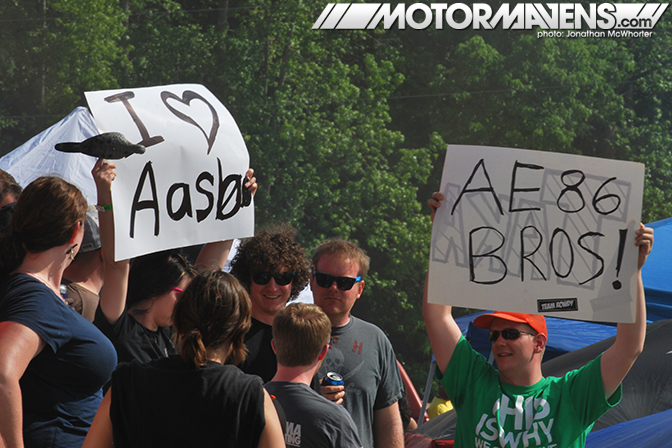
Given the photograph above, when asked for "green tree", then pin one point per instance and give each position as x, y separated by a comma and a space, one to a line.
53, 51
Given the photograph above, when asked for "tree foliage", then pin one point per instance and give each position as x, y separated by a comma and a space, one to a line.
52, 52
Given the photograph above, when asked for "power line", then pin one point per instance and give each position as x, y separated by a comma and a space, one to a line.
388, 98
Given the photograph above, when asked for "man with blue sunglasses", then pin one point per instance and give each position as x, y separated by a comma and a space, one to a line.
514, 404
360, 352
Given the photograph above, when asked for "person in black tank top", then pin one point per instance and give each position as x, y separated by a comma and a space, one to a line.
197, 398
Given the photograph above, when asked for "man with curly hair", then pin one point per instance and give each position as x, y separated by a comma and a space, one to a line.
273, 268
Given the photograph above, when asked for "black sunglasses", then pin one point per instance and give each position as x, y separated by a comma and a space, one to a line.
281, 278
509, 334
343, 283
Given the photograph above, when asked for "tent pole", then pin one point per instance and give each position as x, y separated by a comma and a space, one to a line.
428, 390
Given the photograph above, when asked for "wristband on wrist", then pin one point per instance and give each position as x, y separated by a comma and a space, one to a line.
104, 208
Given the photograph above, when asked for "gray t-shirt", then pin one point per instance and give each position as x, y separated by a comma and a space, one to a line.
312, 420
363, 356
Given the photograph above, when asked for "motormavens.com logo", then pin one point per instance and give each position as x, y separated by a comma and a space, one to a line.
519, 16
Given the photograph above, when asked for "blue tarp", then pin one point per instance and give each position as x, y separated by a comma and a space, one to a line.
647, 388
657, 273
652, 430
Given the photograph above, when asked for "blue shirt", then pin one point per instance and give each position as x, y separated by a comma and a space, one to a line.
61, 388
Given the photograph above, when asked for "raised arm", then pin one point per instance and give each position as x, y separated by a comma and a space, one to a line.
442, 329
214, 255
617, 360
115, 283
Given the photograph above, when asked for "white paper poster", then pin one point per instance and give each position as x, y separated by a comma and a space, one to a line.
537, 232
188, 186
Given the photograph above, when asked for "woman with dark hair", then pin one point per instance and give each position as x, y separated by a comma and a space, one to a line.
273, 268
53, 362
142, 328
196, 398
137, 300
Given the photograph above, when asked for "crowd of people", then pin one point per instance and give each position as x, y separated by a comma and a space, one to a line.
157, 351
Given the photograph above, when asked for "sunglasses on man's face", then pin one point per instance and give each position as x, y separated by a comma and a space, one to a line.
509, 334
281, 278
343, 283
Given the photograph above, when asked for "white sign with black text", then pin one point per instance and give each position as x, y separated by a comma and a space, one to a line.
537, 232
187, 188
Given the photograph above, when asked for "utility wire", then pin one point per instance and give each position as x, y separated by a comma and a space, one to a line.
388, 98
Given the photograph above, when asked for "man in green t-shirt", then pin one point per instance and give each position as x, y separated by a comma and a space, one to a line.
514, 405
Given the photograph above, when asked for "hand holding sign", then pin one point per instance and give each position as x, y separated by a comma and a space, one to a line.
249, 186
435, 203
644, 241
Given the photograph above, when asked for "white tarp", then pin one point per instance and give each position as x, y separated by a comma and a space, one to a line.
37, 157
537, 232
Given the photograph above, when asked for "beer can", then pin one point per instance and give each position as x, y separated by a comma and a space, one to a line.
332, 379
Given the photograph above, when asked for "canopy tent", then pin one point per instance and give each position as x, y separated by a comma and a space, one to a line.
37, 157
656, 273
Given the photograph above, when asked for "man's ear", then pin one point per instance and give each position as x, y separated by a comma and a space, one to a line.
540, 342
323, 353
273, 346
361, 289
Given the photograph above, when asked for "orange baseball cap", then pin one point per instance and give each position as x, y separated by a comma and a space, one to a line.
536, 321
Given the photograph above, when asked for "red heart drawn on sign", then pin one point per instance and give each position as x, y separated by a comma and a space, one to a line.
187, 96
